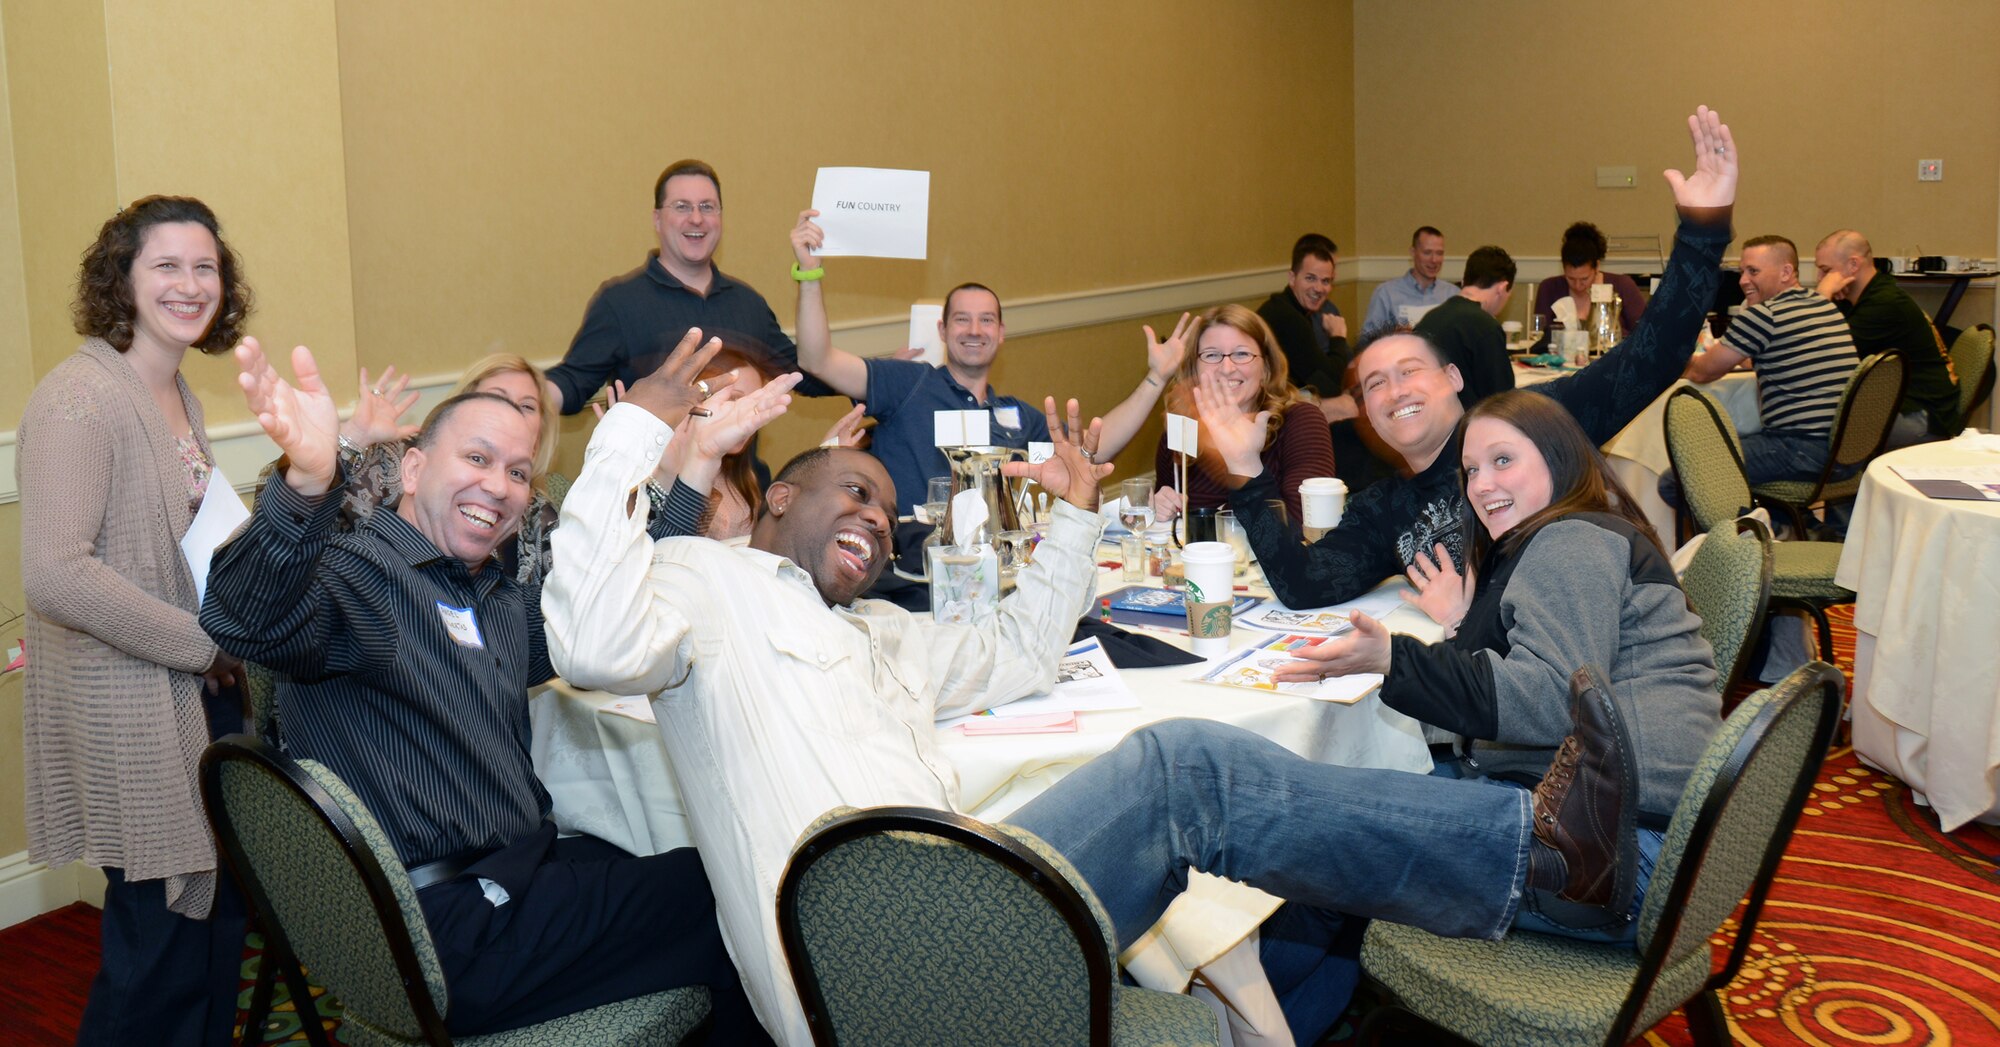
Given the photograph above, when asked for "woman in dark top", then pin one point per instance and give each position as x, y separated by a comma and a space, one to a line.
1234, 347
1583, 250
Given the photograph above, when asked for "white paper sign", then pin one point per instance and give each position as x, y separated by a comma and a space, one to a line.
963, 428
1040, 452
924, 320
1181, 434
872, 212
222, 512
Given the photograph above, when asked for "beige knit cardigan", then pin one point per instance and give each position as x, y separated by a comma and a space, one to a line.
113, 719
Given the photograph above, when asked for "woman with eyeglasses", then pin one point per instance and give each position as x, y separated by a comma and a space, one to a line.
1234, 348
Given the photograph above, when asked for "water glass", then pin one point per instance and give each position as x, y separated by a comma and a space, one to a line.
1132, 553
1230, 530
1135, 509
937, 495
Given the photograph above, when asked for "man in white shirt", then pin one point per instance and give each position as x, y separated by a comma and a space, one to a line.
780, 696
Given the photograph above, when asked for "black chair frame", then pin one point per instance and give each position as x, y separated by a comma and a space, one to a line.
1828, 472
1706, 1023
254, 750
1009, 853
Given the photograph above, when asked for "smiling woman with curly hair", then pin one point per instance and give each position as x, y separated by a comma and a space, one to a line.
124, 689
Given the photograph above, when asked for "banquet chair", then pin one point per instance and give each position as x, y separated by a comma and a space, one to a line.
1729, 584
1708, 463
1972, 362
1861, 427
1734, 818
912, 925
311, 858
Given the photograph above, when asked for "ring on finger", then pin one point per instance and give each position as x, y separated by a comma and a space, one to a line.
377, 390
702, 385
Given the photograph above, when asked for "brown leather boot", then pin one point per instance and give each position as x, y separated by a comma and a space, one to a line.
1583, 807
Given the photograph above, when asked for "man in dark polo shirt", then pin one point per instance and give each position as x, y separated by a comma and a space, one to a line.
405, 658
1881, 316
1463, 327
635, 320
1309, 328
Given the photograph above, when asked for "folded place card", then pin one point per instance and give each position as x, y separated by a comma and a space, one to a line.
963, 428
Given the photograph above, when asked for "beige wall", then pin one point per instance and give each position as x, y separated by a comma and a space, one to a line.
495, 182
1470, 118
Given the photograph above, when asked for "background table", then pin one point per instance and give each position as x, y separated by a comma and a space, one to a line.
1638, 454
1926, 574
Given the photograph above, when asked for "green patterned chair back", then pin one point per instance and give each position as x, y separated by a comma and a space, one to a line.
556, 486
1728, 832
1707, 459
260, 690
1867, 410
321, 870
1729, 583
910, 925
1972, 362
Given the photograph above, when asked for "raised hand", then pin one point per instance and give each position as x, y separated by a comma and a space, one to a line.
1365, 650
735, 416
807, 237
1164, 356
1441, 591
1071, 473
671, 390
908, 352
1713, 183
378, 411
302, 420
848, 431
1234, 434
614, 393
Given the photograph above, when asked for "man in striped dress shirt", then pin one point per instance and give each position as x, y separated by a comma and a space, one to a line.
1804, 357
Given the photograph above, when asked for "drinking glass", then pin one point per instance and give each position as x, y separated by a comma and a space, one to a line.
937, 494
1229, 529
1135, 509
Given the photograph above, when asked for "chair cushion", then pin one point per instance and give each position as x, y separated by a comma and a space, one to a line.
1144, 1018
663, 1019
1795, 492
1804, 571
1535, 990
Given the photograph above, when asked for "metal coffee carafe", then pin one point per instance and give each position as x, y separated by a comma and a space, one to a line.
978, 469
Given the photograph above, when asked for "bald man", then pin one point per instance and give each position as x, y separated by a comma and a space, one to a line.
1881, 316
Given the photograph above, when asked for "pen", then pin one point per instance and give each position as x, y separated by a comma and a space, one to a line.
700, 412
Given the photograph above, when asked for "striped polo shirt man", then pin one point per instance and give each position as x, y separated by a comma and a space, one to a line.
1804, 358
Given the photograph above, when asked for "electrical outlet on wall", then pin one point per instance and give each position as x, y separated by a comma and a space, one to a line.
1930, 170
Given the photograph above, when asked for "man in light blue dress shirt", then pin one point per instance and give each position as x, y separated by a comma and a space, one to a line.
1418, 288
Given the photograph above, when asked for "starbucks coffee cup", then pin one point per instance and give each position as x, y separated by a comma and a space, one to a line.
1211, 571
1324, 498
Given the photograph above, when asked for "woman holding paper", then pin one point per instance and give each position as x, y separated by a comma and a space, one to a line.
1568, 575
124, 690
1236, 351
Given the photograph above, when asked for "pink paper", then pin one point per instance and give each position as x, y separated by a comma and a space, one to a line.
1047, 723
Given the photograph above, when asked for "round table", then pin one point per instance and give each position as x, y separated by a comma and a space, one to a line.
1926, 577
1638, 454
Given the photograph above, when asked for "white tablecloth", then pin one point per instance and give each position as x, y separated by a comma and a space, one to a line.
608, 776
1638, 454
1926, 574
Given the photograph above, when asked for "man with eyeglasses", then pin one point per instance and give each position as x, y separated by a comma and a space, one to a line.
635, 320
1411, 393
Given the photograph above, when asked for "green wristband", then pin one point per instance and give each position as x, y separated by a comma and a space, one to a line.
807, 275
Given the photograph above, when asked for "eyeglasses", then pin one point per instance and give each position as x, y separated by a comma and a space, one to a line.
1216, 356
708, 208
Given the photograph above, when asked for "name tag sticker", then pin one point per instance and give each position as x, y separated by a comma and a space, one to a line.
1009, 417
462, 624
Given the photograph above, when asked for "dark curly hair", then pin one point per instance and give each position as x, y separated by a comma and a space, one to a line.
104, 307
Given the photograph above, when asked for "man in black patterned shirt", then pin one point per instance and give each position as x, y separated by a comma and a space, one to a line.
405, 660
1411, 395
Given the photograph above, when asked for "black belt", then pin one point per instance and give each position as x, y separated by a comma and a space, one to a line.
431, 874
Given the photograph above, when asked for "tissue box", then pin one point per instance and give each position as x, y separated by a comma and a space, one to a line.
965, 585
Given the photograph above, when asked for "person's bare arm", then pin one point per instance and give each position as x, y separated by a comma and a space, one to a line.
1163, 358
844, 371
1719, 360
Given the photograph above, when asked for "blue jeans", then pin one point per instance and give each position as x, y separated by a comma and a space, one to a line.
1447, 856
